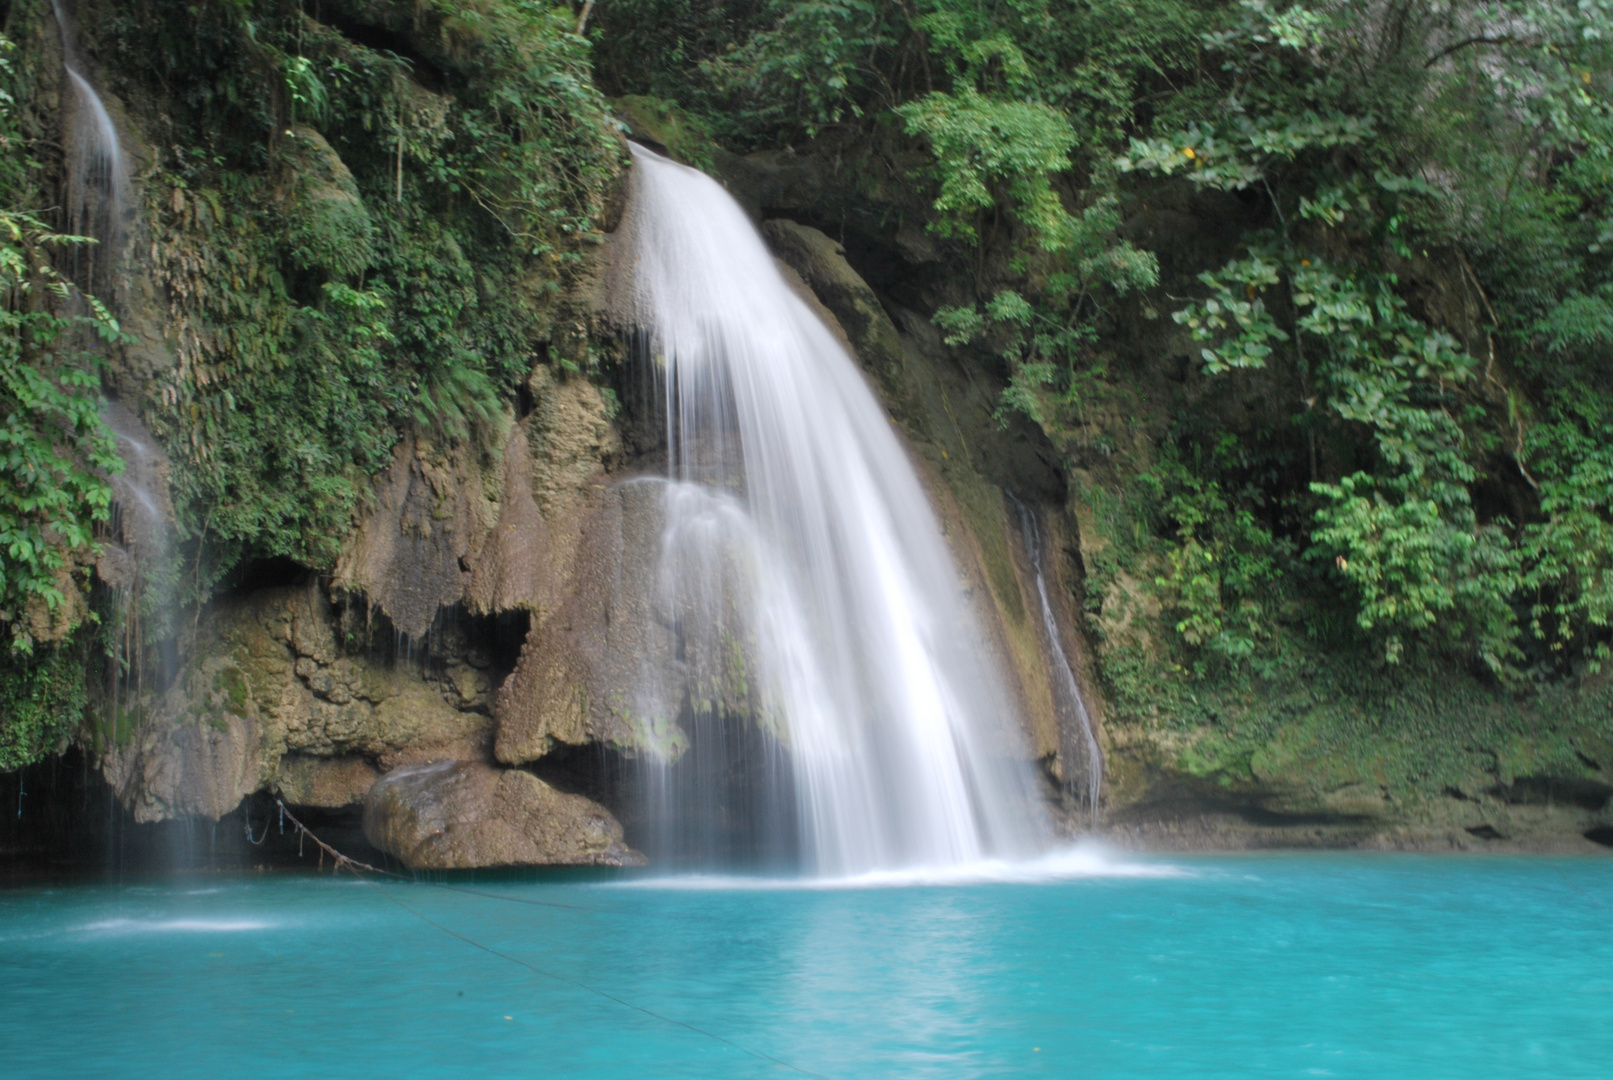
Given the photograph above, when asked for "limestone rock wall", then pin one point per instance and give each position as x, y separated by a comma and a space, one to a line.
552, 520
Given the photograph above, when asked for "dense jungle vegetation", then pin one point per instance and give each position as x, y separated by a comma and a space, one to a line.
1387, 471
1389, 456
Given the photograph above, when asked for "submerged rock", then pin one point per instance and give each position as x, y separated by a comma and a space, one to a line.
453, 815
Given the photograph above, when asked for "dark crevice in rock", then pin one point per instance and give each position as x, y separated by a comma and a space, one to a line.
271, 573
596, 771
1555, 791
455, 639
1485, 832
1601, 834
642, 392
70, 822
340, 827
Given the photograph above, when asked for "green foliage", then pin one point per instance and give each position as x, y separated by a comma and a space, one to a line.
355, 240
1568, 557
1046, 343
1421, 142
801, 65
42, 701
981, 144
1244, 327
1421, 566
55, 450
1224, 563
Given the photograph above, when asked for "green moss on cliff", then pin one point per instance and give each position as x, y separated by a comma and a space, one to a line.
42, 700
362, 218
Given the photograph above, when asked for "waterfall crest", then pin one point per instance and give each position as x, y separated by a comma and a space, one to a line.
795, 529
97, 174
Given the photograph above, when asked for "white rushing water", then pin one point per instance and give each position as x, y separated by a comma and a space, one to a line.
97, 175
1079, 747
793, 511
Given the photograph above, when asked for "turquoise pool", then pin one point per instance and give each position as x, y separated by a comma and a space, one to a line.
1240, 966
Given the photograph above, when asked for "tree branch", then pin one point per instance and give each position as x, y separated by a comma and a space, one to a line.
1478, 39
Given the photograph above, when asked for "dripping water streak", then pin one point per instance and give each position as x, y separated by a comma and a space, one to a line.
1089, 753
819, 551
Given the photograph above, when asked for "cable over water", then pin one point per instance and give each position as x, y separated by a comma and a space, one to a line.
798, 538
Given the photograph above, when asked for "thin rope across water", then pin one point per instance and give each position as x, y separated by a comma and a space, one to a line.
357, 869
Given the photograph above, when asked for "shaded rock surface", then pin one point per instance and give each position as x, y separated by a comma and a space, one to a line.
273, 683
325, 782
452, 815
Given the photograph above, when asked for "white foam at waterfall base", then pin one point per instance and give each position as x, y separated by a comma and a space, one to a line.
904, 747
1088, 859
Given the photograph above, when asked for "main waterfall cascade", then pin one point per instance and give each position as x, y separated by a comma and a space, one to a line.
796, 532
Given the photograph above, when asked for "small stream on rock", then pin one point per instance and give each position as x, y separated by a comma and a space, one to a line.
1078, 738
97, 173
138, 561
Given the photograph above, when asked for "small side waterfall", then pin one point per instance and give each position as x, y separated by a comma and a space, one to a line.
139, 562
1078, 741
97, 174
799, 546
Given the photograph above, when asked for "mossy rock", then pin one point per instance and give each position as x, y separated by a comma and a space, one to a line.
329, 226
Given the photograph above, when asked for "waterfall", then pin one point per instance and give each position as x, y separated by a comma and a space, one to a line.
1079, 748
797, 533
139, 562
97, 175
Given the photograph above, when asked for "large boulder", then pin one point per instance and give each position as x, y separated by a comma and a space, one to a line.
453, 815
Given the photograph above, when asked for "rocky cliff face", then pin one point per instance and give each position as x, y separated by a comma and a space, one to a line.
402, 657
495, 606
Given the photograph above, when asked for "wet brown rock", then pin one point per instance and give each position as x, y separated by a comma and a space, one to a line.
576, 665
270, 694
513, 568
822, 264
201, 768
325, 782
457, 814
410, 554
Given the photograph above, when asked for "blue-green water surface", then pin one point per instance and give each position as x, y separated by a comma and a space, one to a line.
1248, 966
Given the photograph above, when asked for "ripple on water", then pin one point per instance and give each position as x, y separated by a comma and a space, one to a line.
176, 926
